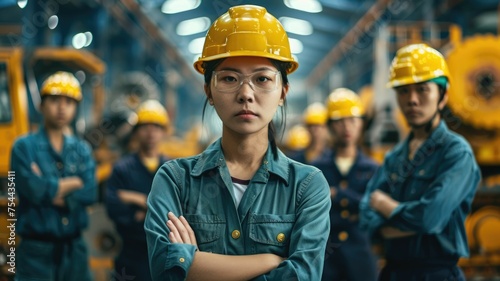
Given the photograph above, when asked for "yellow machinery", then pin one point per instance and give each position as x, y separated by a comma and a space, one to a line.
474, 102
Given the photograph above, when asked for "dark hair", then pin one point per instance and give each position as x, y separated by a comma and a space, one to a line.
210, 66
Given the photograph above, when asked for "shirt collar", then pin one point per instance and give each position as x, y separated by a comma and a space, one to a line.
43, 139
435, 139
213, 157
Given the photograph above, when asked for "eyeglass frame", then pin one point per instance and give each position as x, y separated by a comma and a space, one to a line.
246, 77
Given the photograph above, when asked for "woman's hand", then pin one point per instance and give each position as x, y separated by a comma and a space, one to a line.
180, 230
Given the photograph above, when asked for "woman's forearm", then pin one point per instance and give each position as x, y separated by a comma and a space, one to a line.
208, 266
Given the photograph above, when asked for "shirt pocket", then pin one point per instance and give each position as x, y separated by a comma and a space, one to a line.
271, 233
208, 231
422, 180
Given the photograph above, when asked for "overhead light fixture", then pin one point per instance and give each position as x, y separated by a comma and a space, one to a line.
193, 26
196, 45
81, 40
53, 21
297, 26
296, 46
22, 3
310, 6
177, 6
88, 38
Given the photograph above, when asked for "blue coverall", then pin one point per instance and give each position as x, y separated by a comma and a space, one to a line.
435, 190
284, 211
129, 173
348, 255
51, 245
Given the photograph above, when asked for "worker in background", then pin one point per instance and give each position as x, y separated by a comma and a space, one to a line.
315, 117
348, 255
129, 186
55, 183
419, 198
240, 210
296, 140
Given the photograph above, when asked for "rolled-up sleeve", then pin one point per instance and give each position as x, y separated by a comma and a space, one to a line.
310, 233
168, 261
456, 182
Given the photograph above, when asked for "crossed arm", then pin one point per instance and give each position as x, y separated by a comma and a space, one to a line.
385, 205
208, 266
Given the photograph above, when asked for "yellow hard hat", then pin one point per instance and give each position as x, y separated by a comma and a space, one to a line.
298, 138
246, 30
417, 63
344, 103
62, 83
152, 112
315, 114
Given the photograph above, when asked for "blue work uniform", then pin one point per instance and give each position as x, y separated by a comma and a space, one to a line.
349, 248
284, 211
435, 190
51, 245
129, 173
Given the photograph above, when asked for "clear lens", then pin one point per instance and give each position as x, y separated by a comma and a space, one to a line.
231, 81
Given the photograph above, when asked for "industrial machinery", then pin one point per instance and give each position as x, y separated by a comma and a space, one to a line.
474, 104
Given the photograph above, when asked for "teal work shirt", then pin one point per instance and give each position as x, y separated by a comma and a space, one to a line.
37, 216
435, 190
284, 211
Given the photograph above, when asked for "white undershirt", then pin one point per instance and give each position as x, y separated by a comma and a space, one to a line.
239, 188
344, 164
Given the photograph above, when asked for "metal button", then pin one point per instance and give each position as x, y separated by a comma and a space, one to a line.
421, 172
182, 260
344, 202
394, 176
344, 214
265, 162
343, 184
280, 237
343, 236
235, 234
65, 221
59, 165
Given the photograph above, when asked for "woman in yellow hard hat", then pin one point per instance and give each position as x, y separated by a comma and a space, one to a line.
347, 170
241, 209
129, 186
55, 183
419, 198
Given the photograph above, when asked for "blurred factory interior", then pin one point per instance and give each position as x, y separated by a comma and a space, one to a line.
126, 51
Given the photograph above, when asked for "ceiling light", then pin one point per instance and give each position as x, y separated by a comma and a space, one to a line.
88, 38
177, 6
310, 6
22, 3
193, 26
293, 25
79, 41
53, 21
296, 46
196, 45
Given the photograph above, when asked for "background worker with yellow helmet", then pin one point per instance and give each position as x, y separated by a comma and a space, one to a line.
129, 186
55, 182
314, 120
419, 198
347, 170
241, 210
